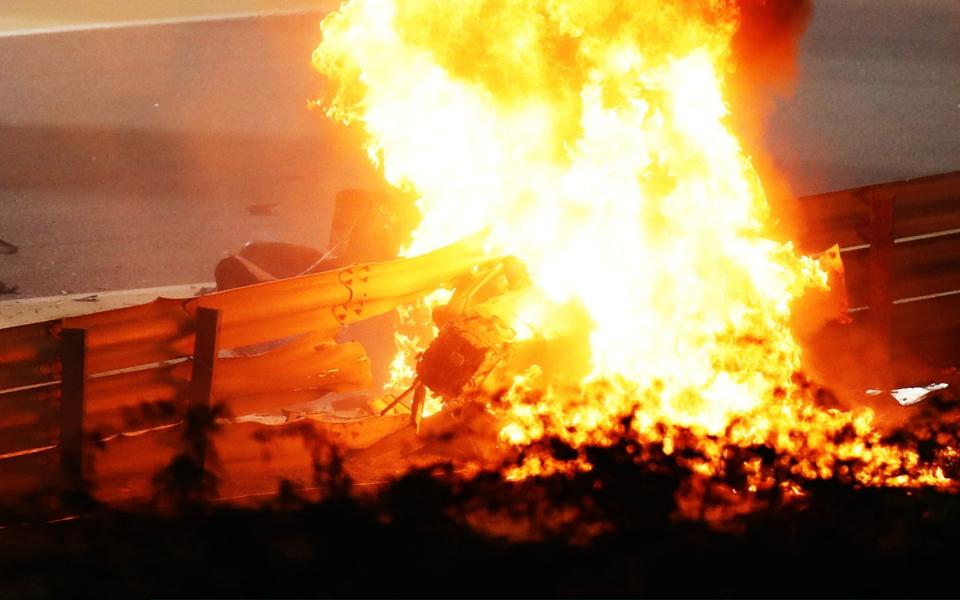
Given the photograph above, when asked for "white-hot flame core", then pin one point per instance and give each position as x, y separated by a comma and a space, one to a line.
643, 210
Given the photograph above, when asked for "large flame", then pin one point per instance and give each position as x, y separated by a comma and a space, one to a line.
588, 139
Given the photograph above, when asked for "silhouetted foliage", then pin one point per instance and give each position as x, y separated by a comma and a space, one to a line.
190, 478
329, 475
151, 414
611, 532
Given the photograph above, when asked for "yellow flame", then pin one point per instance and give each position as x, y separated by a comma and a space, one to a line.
588, 139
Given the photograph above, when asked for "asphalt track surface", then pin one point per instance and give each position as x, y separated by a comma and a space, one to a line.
30, 16
138, 156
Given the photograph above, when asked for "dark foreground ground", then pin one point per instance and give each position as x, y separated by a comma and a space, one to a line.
613, 532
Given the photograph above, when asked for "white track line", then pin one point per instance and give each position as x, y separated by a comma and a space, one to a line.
41, 30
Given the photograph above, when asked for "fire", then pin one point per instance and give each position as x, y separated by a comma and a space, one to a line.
588, 139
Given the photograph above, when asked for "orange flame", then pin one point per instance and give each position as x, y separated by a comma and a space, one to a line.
588, 139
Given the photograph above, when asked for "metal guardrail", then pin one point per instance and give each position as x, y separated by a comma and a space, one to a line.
81, 384
900, 244
65, 382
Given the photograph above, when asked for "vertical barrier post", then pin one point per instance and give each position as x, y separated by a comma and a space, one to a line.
880, 290
205, 350
72, 399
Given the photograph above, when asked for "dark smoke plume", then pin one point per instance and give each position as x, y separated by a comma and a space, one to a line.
765, 52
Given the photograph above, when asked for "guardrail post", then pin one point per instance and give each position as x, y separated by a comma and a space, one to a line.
205, 350
72, 400
880, 286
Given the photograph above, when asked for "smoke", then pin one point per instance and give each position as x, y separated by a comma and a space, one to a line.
765, 51
765, 44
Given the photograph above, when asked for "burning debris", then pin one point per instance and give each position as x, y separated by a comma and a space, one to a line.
588, 142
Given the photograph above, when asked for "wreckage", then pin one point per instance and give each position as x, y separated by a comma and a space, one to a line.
131, 373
